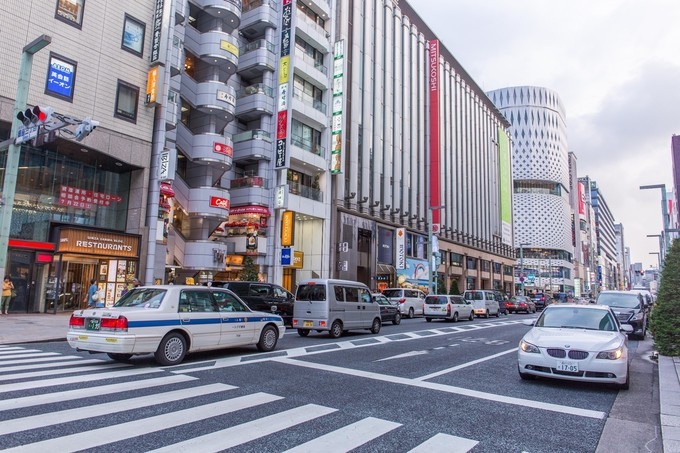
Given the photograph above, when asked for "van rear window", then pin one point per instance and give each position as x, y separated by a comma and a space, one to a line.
311, 292
473, 295
392, 293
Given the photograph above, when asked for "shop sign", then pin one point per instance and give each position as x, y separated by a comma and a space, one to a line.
229, 47
298, 260
287, 228
152, 85
221, 148
286, 256
87, 242
401, 248
219, 202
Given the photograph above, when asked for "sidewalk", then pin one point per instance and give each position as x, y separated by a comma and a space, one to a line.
669, 396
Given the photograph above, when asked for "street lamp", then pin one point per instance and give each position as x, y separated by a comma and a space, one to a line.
521, 266
12, 166
664, 210
659, 256
660, 247
431, 285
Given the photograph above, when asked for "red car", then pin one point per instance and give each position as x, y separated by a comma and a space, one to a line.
521, 303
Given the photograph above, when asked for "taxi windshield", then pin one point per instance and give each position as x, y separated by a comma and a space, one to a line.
142, 297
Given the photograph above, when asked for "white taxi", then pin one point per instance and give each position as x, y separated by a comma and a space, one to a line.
171, 321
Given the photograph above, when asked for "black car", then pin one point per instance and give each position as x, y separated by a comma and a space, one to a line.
629, 308
261, 296
389, 311
541, 300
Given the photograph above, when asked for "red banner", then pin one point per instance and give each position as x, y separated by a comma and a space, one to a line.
581, 199
433, 78
85, 199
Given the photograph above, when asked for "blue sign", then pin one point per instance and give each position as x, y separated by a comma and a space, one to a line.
61, 77
286, 256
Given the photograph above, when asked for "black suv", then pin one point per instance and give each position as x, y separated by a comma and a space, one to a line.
629, 308
260, 296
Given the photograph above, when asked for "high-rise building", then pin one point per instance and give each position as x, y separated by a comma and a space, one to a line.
607, 267
541, 196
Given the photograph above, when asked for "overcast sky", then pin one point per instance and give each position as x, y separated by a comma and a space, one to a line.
616, 66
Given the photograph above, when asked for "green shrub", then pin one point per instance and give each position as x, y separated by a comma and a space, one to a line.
454, 288
665, 319
250, 270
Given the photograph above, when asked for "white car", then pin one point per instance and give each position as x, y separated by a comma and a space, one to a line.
577, 343
450, 308
410, 300
171, 321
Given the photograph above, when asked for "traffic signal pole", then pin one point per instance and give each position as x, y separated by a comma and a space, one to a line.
13, 152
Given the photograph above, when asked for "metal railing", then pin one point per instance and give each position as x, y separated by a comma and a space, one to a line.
305, 191
309, 59
308, 145
259, 44
258, 88
309, 100
255, 134
249, 181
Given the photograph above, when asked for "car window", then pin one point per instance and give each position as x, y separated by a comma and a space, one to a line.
144, 297
392, 293
436, 300
473, 295
380, 299
339, 293
228, 302
279, 292
456, 300
199, 301
259, 290
351, 294
620, 300
577, 318
311, 292
365, 296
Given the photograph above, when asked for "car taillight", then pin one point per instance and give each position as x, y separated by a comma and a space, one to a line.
402, 300
116, 324
76, 322
448, 310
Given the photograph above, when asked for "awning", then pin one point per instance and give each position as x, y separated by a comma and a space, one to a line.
250, 209
166, 189
386, 269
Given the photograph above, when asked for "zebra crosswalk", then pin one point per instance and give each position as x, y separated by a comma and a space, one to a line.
72, 403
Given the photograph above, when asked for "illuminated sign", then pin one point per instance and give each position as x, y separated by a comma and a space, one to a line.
152, 85
219, 202
287, 228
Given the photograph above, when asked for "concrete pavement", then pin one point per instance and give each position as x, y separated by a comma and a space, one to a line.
37, 327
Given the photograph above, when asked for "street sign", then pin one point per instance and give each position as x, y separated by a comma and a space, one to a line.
26, 133
286, 256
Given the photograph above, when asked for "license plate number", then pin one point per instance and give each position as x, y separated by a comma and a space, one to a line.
93, 324
567, 366
307, 324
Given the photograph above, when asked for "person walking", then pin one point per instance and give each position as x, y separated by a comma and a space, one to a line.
7, 288
91, 298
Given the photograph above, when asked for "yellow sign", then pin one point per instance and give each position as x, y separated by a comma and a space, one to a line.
284, 68
287, 228
152, 85
298, 260
229, 47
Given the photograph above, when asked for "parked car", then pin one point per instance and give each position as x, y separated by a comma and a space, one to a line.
629, 308
262, 297
483, 301
541, 300
170, 321
577, 343
410, 300
521, 303
562, 298
447, 307
389, 311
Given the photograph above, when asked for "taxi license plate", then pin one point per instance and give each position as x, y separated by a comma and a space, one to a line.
569, 366
307, 324
93, 323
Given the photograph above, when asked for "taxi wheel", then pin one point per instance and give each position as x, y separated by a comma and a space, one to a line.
119, 357
303, 332
172, 349
268, 339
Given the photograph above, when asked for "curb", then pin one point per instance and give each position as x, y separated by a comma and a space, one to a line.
669, 396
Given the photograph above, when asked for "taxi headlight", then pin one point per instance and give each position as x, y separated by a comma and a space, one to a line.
528, 347
611, 355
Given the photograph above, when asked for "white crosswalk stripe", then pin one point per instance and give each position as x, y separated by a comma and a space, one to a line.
4, 352
447, 443
53, 358
72, 370
23, 355
37, 366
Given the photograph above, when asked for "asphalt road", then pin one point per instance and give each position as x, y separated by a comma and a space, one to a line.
419, 386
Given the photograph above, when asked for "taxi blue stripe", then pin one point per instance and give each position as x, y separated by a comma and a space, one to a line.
196, 321
154, 323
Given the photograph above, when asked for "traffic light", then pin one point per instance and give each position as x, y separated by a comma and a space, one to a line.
84, 128
36, 115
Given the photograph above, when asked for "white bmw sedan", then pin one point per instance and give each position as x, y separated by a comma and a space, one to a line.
171, 321
578, 343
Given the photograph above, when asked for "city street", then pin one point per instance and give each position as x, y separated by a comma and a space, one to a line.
418, 386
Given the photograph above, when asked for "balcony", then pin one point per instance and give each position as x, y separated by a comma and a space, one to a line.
255, 58
212, 96
208, 148
250, 190
309, 100
254, 101
180, 11
213, 47
307, 145
253, 146
295, 188
212, 202
310, 69
309, 110
257, 17
177, 58
172, 110
312, 32
209, 255
227, 10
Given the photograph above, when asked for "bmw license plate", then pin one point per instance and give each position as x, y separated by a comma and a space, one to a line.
93, 323
307, 324
567, 365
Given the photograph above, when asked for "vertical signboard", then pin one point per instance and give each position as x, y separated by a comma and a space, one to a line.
581, 200
336, 123
505, 186
280, 158
433, 88
159, 31
401, 248
287, 228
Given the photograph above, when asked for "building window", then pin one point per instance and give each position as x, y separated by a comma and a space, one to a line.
133, 35
61, 77
126, 101
70, 11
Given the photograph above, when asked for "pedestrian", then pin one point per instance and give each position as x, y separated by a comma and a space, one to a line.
7, 290
136, 283
91, 298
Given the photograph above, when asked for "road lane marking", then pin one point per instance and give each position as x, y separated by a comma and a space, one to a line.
464, 365
56, 359
246, 432
48, 365
22, 355
401, 356
348, 437
448, 389
71, 370
110, 407
115, 433
87, 392
447, 443
22, 350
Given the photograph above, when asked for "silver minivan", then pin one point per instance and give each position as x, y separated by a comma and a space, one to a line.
484, 302
335, 306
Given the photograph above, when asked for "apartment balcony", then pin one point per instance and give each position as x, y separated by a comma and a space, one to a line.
180, 11
259, 16
227, 10
207, 255
249, 190
177, 56
308, 110
172, 109
213, 47
212, 96
306, 200
208, 148
211, 202
240, 245
312, 32
254, 101
311, 69
255, 58
253, 146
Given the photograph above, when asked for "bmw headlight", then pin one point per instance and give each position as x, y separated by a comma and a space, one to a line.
611, 355
528, 347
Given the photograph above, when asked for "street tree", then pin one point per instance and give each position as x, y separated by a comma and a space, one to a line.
665, 318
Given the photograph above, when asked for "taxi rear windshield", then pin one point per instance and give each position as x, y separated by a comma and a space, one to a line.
142, 298
311, 292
